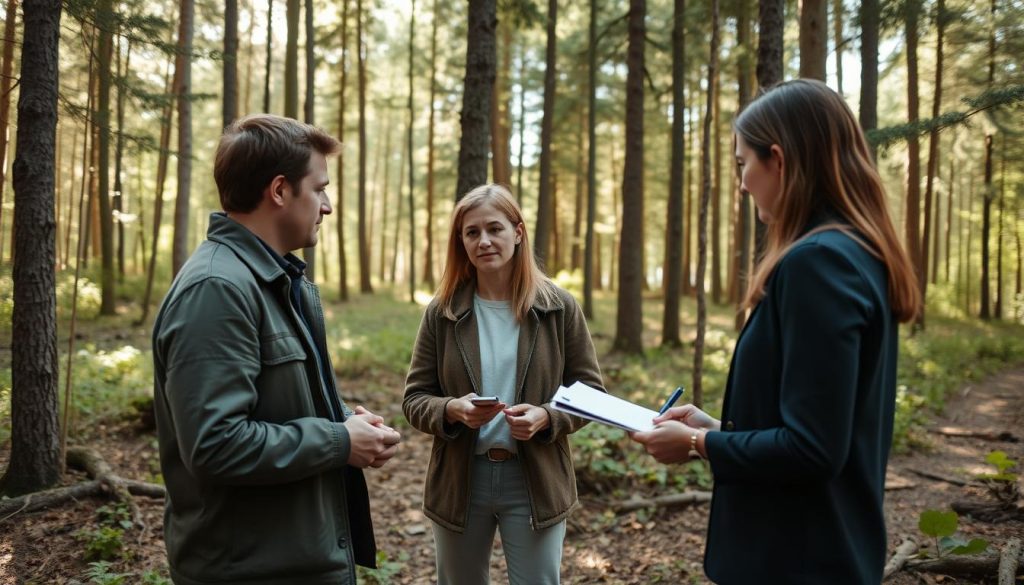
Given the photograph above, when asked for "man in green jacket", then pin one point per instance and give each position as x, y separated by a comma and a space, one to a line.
261, 457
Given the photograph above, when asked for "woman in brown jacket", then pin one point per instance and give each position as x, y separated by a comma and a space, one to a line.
497, 327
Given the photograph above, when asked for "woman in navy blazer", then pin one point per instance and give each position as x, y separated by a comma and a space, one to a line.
799, 456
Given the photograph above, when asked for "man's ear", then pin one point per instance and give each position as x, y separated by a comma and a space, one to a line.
277, 190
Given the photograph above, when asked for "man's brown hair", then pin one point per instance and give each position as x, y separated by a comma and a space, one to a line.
255, 149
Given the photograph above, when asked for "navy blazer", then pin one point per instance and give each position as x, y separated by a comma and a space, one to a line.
807, 424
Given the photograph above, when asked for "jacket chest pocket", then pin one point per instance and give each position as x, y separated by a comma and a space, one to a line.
284, 379
279, 348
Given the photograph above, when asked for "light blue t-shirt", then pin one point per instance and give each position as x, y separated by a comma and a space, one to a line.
499, 341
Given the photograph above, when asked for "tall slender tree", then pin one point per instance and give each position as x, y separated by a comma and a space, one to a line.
912, 216
590, 252
769, 72
101, 121
409, 154
364, 238
269, 60
309, 116
742, 239
182, 92
476, 97
5, 103
229, 103
933, 154
813, 38
545, 210
628, 324
702, 224
342, 260
988, 193
36, 460
428, 253
870, 18
501, 162
674, 228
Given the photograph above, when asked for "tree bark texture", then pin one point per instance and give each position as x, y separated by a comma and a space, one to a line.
813, 38
36, 461
475, 120
590, 254
183, 90
869, 23
101, 120
545, 212
5, 103
364, 237
229, 104
342, 260
629, 320
674, 221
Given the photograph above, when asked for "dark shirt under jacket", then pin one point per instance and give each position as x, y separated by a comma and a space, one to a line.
807, 425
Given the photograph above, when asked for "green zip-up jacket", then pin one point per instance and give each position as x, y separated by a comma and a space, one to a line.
258, 489
554, 349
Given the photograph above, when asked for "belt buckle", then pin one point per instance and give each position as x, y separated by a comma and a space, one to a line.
499, 455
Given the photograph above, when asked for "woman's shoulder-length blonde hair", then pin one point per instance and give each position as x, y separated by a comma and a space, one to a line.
529, 283
827, 168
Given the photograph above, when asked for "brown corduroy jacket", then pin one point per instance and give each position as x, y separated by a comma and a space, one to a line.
554, 349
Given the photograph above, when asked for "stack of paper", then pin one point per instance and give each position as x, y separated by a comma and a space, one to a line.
586, 402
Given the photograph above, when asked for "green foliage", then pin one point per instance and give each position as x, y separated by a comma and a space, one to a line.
153, 577
935, 362
371, 333
386, 569
118, 516
99, 573
107, 382
89, 297
941, 526
102, 543
1002, 485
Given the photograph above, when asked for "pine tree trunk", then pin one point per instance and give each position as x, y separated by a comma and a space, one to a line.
674, 220
716, 194
309, 116
591, 252
101, 119
269, 60
933, 161
184, 89
5, 104
36, 460
702, 224
769, 72
629, 325
999, 232
813, 38
411, 158
428, 253
500, 130
989, 190
119, 201
912, 216
476, 97
542, 229
364, 241
576, 249
742, 241
229, 103
342, 260
869, 23
837, 28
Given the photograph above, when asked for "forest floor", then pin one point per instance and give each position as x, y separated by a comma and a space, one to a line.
649, 546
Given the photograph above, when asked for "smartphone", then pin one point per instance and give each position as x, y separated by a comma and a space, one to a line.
484, 400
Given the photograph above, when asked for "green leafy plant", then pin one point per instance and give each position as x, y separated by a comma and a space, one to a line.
153, 577
99, 573
116, 516
386, 569
103, 543
1002, 485
941, 526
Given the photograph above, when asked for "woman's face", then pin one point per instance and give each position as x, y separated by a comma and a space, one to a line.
490, 238
761, 178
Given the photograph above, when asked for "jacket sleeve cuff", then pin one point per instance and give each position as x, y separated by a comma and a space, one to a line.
342, 443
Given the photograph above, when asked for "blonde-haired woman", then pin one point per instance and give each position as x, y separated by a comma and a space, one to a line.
497, 327
799, 461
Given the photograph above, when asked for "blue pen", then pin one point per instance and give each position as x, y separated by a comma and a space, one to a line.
671, 400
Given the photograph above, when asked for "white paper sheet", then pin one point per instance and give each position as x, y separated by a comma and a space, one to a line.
586, 402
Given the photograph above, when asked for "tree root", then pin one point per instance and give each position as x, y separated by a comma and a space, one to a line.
104, 483
682, 499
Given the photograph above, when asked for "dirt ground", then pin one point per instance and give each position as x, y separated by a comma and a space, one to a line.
664, 545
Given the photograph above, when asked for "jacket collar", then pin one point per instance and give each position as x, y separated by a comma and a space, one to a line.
249, 248
462, 303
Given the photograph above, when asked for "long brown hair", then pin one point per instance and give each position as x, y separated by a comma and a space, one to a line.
827, 168
528, 281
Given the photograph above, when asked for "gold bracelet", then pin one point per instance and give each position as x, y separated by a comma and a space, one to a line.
693, 444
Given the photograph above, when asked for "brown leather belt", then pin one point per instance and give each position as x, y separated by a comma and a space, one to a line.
499, 455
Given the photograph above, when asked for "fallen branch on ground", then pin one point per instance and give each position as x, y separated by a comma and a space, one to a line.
962, 566
1003, 436
1009, 561
937, 477
899, 558
104, 483
684, 498
987, 512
